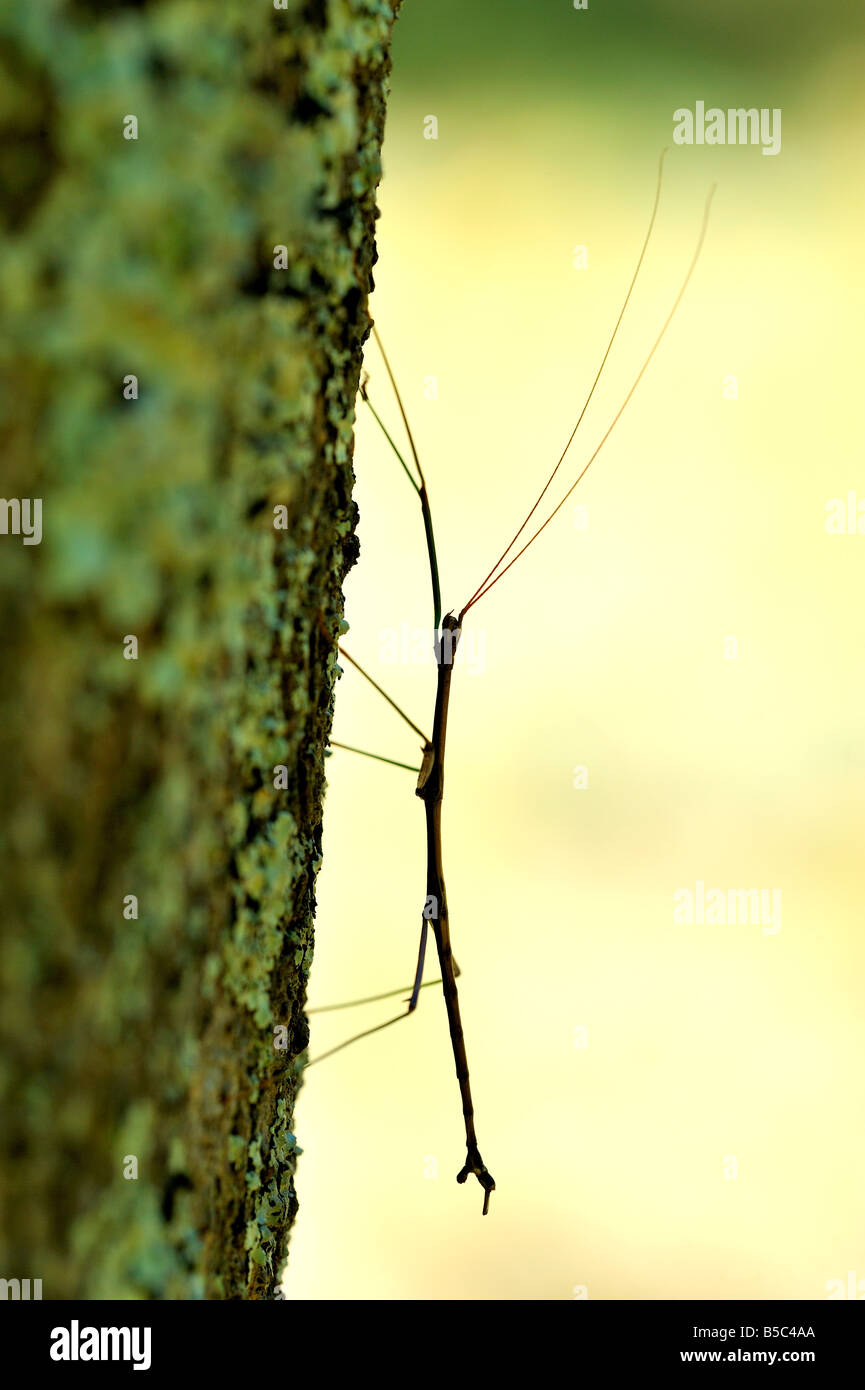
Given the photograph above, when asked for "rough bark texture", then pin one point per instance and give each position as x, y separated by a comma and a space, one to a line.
172, 1036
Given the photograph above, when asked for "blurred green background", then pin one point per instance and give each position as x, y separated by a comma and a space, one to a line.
705, 520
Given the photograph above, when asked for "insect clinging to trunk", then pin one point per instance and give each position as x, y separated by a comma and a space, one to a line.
446, 635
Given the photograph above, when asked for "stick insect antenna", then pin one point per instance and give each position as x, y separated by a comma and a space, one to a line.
572, 436
486, 586
419, 486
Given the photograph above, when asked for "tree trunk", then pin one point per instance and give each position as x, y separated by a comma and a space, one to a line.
179, 392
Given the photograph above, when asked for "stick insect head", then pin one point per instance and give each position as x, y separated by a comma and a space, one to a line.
446, 642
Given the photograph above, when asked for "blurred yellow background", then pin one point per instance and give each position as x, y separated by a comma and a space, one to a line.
711, 1050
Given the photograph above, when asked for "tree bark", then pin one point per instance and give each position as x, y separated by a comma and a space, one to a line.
209, 518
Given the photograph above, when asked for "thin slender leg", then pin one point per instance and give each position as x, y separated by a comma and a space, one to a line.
418, 974
412, 1003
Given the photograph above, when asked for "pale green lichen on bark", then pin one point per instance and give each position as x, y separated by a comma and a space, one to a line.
154, 1036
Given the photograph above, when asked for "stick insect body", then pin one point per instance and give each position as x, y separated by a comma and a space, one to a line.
430, 785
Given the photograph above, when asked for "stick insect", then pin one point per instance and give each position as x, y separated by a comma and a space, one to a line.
447, 631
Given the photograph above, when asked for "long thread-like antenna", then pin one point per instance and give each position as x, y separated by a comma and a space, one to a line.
572, 436
485, 588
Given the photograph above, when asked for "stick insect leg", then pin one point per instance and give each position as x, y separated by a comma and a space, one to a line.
367, 1033
376, 998
418, 974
